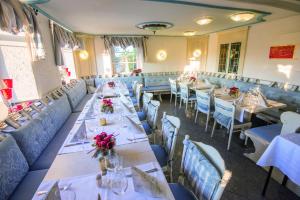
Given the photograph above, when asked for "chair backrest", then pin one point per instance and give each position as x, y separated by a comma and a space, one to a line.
134, 84
170, 126
184, 90
290, 122
147, 97
224, 111
152, 113
173, 85
138, 92
204, 170
203, 101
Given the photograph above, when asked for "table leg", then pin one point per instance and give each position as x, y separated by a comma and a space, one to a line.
284, 181
267, 181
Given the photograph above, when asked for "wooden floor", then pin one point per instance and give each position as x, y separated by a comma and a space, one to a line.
247, 178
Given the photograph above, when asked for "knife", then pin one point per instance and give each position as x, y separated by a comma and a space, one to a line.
76, 143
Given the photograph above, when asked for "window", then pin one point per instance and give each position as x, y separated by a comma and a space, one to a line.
229, 57
124, 60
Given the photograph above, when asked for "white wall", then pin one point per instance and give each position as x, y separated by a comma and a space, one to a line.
261, 37
31, 79
45, 71
176, 48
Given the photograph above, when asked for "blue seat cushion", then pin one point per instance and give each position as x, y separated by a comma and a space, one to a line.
142, 115
131, 94
13, 166
29, 185
267, 133
180, 192
147, 127
134, 101
157, 88
48, 155
82, 103
160, 154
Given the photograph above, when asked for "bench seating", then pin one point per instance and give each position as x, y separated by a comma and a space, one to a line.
27, 153
77, 95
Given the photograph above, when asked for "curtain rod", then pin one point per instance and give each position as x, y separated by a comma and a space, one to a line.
41, 11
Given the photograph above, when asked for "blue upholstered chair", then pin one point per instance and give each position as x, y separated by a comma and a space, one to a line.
203, 105
133, 88
147, 97
164, 151
225, 116
185, 95
174, 90
150, 124
203, 171
137, 98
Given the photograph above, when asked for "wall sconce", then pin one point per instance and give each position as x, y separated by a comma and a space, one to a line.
197, 53
83, 54
161, 55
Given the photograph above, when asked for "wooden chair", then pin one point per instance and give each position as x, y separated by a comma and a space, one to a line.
164, 151
203, 105
147, 97
202, 170
225, 116
185, 95
174, 90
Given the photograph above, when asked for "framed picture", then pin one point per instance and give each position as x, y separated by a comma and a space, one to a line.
282, 52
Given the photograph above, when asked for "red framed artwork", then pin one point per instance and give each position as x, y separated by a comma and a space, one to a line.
283, 52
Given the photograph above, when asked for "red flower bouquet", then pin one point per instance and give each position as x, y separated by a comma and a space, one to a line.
16, 108
234, 91
192, 79
103, 143
107, 106
111, 84
136, 71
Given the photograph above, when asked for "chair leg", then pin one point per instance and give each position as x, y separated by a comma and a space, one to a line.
180, 103
171, 98
230, 137
213, 129
175, 100
207, 120
171, 173
186, 104
246, 139
196, 116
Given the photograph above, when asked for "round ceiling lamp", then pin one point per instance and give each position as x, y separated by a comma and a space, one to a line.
154, 26
83, 54
189, 33
197, 53
242, 17
161, 55
204, 20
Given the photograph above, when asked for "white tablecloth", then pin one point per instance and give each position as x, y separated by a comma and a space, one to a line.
284, 153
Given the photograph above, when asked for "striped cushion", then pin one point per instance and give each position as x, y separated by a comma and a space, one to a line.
202, 176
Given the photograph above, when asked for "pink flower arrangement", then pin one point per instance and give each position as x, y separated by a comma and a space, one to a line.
103, 143
111, 84
16, 108
107, 106
136, 71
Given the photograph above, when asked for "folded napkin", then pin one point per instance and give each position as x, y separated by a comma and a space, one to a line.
49, 191
146, 184
262, 100
136, 123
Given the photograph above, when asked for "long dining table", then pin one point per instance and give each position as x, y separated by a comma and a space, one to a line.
132, 145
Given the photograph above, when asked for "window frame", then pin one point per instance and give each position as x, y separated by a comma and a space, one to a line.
228, 59
114, 62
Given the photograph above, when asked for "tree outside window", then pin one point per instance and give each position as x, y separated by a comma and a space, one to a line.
124, 60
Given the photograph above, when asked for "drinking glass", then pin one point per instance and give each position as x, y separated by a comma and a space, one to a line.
119, 182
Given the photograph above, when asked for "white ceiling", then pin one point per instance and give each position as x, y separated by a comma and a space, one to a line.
121, 16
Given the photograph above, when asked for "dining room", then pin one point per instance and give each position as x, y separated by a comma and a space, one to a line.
149, 99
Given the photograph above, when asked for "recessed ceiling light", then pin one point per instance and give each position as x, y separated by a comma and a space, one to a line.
189, 33
204, 20
242, 17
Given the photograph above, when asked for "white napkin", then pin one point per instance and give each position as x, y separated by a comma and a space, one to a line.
49, 191
262, 100
136, 123
145, 183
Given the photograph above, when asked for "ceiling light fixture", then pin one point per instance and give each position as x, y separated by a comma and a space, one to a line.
204, 20
154, 26
242, 17
189, 33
